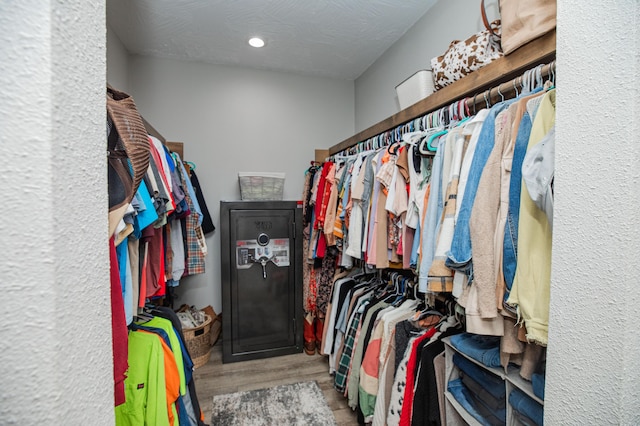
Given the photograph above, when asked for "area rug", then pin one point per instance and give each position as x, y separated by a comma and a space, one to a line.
296, 404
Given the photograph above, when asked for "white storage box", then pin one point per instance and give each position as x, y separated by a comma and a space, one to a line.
256, 186
415, 88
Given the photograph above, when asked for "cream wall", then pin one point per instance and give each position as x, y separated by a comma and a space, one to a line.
231, 120
55, 339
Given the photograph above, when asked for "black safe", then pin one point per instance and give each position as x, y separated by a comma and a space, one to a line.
261, 254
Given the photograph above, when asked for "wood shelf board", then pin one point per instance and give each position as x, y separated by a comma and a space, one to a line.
539, 51
176, 147
321, 155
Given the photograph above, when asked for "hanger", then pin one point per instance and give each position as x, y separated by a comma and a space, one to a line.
463, 109
530, 80
474, 104
144, 315
500, 93
429, 140
393, 148
191, 164
401, 294
412, 138
539, 76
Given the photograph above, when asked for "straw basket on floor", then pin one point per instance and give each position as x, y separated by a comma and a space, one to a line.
198, 342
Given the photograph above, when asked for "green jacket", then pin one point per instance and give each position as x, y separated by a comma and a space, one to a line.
146, 402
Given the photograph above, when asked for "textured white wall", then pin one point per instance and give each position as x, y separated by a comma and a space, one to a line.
55, 340
236, 119
593, 368
117, 62
447, 20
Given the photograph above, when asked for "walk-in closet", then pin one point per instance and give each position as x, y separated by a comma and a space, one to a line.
365, 212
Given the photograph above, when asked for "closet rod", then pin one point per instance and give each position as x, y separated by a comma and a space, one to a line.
539, 51
506, 90
493, 95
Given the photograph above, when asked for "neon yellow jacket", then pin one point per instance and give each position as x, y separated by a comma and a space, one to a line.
145, 390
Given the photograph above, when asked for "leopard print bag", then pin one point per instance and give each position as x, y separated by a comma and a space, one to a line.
464, 57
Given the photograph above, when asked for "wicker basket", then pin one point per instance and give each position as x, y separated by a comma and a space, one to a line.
198, 342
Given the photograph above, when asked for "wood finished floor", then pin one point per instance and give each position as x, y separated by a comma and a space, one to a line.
216, 378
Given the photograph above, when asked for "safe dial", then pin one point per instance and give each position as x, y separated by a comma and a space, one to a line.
263, 239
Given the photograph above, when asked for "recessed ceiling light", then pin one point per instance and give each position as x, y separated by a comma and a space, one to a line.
256, 42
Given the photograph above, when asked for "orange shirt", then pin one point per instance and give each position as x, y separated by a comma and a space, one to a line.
172, 378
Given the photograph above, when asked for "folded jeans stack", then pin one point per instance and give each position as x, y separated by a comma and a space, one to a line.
481, 393
462, 394
537, 381
484, 349
528, 410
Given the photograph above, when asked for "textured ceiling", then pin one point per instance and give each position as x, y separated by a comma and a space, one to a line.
332, 38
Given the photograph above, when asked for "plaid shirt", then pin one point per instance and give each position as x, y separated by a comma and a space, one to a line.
340, 380
195, 256
353, 329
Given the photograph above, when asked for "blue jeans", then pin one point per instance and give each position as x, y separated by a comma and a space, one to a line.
481, 393
415, 246
465, 398
491, 383
432, 217
484, 349
459, 256
526, 406
537, 381
510, 248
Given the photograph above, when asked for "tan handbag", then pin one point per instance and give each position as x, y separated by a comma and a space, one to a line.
464, 57
523, 21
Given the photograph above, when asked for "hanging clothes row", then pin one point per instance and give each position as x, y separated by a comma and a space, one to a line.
157, 222
463, 201
159, 387
160, 238
370, 337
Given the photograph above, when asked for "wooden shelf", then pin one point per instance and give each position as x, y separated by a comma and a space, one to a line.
539, 51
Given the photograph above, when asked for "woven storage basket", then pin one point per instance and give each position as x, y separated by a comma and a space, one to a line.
198, 342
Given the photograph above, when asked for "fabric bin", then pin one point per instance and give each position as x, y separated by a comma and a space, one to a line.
415, 88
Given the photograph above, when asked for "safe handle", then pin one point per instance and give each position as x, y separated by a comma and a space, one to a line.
263, 261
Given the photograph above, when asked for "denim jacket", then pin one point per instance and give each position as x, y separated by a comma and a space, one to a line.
459, 257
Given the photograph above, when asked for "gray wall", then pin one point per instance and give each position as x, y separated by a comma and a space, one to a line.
117, 62
235, 120
429, 37
55, 339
